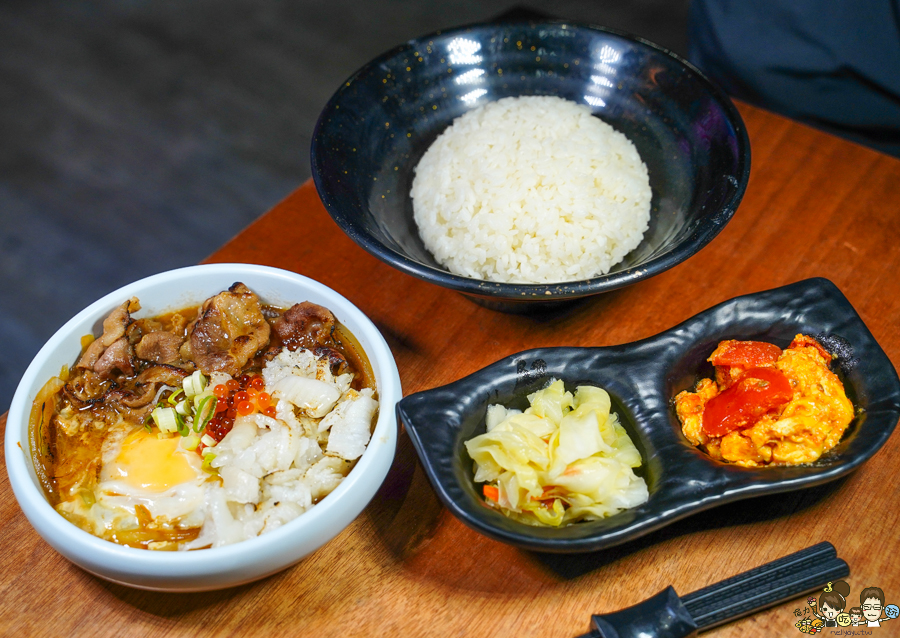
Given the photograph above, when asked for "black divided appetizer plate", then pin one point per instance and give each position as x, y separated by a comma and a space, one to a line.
642, 378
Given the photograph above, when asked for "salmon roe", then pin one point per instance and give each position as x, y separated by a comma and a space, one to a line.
242, 396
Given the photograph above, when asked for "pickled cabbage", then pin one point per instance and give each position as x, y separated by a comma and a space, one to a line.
563, 460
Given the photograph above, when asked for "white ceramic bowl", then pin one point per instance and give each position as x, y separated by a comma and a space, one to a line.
233, 564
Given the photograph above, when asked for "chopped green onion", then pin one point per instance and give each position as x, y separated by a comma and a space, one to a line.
165, 419
194, 384
203, 415
207, 459
183, 408
208, 441
183, 428
191, 442
174, 396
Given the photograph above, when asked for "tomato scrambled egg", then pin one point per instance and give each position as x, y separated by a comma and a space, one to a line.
767, 406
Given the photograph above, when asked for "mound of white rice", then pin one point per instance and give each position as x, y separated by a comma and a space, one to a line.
531, 190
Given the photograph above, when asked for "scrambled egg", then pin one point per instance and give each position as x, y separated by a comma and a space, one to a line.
798, 431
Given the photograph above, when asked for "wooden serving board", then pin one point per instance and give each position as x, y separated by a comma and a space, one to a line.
816, 206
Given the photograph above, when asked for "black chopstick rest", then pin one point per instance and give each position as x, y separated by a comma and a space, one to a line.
666, 615
662, 616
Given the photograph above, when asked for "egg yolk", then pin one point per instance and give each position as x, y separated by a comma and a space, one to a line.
151, 463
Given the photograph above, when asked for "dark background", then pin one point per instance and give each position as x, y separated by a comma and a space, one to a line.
138, 136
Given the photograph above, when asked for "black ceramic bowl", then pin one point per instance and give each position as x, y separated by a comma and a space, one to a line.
642, 378
374, 130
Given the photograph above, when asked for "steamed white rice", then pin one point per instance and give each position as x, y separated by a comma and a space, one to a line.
531, 190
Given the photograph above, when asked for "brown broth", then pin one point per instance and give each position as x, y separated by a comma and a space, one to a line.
364, 376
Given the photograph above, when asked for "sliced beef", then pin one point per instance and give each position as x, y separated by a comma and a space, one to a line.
141, 390
159, 347
95, 357
305, 325
140, 327
85, 388
229, 330
118, 356
132, 400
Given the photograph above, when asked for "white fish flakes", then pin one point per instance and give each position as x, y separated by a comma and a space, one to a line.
350, 423
274, 469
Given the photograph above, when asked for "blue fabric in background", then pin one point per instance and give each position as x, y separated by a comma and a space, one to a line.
832, 64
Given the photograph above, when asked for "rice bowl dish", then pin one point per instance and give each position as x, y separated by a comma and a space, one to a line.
380, 122
229, 564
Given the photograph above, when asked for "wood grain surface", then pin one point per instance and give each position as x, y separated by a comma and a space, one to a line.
816, 206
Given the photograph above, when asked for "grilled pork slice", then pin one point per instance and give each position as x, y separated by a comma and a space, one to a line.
229, 330
305, 325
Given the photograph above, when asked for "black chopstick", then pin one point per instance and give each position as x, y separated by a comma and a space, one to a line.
765, 586
667, 614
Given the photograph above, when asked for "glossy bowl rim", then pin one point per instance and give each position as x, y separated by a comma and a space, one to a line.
538, 292
230, 565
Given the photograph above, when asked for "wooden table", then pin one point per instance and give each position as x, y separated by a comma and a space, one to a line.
815, 206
